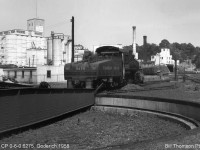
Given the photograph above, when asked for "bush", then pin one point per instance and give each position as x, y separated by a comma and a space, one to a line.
154, 70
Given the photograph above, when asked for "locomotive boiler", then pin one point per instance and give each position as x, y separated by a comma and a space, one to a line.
110, 66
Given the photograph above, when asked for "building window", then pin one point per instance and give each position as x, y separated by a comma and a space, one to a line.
31, 74
15, 74
22, 74
19, 31
48, 73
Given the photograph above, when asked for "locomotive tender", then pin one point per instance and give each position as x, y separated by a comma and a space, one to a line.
110, 65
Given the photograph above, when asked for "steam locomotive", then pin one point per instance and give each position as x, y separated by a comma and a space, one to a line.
110, 66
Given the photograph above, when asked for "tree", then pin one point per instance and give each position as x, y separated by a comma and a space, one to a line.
190, 50
179, 51
128, 48
175, 52
176, 55
196, 60
87, 54
176, 45
153, 49
164, 44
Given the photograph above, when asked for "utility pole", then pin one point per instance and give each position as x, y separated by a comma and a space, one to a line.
175, 69
72, 20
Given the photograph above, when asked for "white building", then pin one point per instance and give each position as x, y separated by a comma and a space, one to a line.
163, 57
59, 51
29, 49
14, 45
36, 24
78, 52
35, 57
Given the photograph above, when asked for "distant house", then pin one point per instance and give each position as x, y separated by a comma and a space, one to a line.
78, 52
163, 57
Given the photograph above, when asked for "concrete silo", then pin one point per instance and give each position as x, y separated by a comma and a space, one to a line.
57, 52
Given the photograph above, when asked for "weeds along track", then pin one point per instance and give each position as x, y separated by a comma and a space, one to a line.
193, 77
144, 87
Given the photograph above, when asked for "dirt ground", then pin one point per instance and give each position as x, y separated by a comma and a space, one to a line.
171, 90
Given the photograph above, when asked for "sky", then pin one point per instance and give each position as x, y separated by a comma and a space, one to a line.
109, 21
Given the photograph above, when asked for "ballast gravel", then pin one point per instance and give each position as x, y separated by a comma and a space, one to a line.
96, 129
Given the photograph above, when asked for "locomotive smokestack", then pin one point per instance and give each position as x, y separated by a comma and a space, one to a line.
134, 42
144, 40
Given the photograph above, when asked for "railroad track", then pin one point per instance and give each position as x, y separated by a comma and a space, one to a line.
192, 78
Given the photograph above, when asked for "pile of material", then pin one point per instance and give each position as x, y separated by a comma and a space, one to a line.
132, 87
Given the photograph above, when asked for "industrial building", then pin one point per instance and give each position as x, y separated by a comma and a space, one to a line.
58, 49
35, 57
13, 47
38, 58
48, 73
17, 45
78, 52
35, 75
37, 25
42, 64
